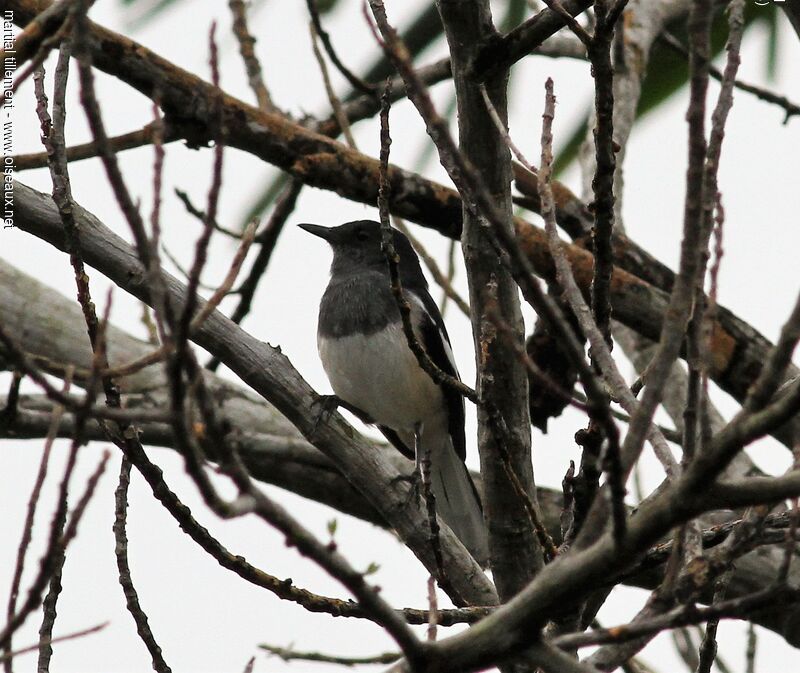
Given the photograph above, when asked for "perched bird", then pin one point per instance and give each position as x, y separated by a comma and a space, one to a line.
371, 367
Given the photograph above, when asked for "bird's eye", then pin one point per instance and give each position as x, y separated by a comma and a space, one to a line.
361, 234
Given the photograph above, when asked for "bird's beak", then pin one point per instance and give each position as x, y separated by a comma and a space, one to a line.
317, 230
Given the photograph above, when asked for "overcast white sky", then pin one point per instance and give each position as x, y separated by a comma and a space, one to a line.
207, 619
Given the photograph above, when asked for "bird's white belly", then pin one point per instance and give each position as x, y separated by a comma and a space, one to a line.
381, 376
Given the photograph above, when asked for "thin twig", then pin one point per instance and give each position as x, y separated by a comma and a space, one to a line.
569, 20
445, 281
708, 648
125, 141
30, 514
200, 215
181, 358
713, 291
290, 654
430, 506
616, 474
599, 51
121, 552
750, 650
549, 549
246, 49
735, 608
201, 247
336, 104
393, 260
227, 283
433, 609
8, 656
451, 274
356, 82
790, 109
695, 239
53, 140
161, 307
267, 238
686, 647
57, 545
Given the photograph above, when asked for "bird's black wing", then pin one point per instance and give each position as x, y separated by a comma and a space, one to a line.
437, 344
396, 442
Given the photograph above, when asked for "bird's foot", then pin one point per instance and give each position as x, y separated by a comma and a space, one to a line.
415, 482
328, 404
325, 406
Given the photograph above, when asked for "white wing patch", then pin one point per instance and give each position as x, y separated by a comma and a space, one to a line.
416, 303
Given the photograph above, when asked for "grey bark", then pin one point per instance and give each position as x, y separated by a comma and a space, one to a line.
274, 451
270, 374
502, 381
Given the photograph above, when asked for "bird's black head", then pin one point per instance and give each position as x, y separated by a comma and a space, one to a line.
357, 246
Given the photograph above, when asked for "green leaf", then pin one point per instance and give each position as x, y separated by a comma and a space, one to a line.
155, 8
667, 73
326, 6
422, 32
771, 60
516, 13
262, 202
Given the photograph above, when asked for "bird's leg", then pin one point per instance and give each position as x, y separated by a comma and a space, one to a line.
419, 456
423, 468
328, 404
415, 478
423, 455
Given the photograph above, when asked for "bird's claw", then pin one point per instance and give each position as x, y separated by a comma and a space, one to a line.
415, 481
326, 405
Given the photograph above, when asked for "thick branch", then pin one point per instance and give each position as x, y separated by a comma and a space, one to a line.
502, 380
270, 446
738, 350
500, 54
267, 371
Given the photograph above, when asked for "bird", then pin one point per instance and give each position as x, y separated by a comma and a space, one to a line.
373, 371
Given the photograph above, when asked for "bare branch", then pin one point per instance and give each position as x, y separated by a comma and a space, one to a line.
497, 56
739, 608
357, 83
8, 656
27, 528
287, 145
246, 49
278, 382
290, 654
121, 552
790, 109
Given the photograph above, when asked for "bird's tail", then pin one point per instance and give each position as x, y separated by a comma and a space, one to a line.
457, 501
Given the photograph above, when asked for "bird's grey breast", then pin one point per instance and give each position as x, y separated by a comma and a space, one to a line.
359, 304
366, 356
